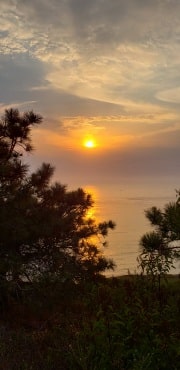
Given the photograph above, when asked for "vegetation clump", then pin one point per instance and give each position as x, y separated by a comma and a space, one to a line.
160, 248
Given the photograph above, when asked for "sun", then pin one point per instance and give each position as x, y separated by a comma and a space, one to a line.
90, 143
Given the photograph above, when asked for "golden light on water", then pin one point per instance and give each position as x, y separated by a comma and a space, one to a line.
93, 211
90, 213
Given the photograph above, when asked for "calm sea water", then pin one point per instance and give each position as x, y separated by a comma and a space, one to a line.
124, 203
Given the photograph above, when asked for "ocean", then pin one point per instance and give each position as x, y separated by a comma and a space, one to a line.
124, 203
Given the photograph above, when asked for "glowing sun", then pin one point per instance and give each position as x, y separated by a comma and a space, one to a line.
89, 143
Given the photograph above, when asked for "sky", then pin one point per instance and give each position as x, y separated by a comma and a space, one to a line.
96, 69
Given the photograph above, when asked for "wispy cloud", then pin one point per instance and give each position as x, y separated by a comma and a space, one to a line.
110, 68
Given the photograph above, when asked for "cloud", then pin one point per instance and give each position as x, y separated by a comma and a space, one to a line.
110, 68
96, 49
170, 95
18, 74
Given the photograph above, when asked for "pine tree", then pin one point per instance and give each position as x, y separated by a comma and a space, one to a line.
161, 247
44, 228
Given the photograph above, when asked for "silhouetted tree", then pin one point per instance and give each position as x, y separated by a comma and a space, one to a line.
161, 247
44, 229
15, 138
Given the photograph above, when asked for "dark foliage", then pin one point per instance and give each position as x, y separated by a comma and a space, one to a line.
114, 324
161, 247
44, 229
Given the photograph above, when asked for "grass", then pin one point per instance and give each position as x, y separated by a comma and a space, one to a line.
116, 323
